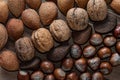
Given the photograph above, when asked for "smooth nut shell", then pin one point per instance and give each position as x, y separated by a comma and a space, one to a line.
82, 3
23, 75
42, 40
115, 59
37, 75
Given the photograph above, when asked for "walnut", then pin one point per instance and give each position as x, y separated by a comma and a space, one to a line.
82, 3
42, 40
25, 49
60, 30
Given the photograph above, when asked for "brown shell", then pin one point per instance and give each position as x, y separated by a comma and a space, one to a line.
9, 61
15, 28
82, 3
16, 7
58, 28
97, 10
65, 5
34, 4
25, 49
3, 36
48, 12
42, 40
3, 11
31, 19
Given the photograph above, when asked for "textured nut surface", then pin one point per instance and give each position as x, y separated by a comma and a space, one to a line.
58, 28
42, 40
3, 11
48, 12
77, 19
97, 10
25, 49
82, 3
31, 19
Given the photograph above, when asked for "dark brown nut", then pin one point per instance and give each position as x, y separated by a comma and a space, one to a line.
118, 47
76, 51
23, 75
31, 19
86, 76
81, 64
96, 39
25, 49
72, 76
31, 65
115, 59
59, 74
55, 1
97, 10
3, 36
37, 75
104, 52
47, 67
9, 60
77, 19
105, 68
115, 4
34, 4
16, 7
65, 5
42, 40
15, 28
82, 37
97, 76
50, 77
94, 63
45, 11
4, 11
89, 51
58, 53
117, 31
58, 28
67, 64
82, 3
110, 41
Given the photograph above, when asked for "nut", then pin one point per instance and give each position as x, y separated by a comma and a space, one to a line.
50, 77
23, 75
85, 76
37, 75
97, 76
115, 59
72, 76
82, 3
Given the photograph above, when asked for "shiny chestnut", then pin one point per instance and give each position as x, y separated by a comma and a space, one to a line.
109, 41
81, 64
118, 47
72, 76
67, 64
50, 77
105, 68
23, 75
76, 51
115, 59
85, 76
104, 52
37, 75
96, 39
117, 32
97, 76
47, 67
89, 51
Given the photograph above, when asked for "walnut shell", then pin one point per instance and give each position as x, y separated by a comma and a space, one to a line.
116, 6
58, 28
25, 49
42, 40
3, 11
77, 19
82, 3
48, 12
3, 36
97, 10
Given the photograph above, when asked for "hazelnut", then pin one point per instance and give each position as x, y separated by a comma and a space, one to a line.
117, 32
50, 77
118, 47
23, 75
37, 75
115, 59
97, 76
72, 76
85, 76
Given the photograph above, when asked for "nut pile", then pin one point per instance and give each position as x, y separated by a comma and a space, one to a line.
60, 39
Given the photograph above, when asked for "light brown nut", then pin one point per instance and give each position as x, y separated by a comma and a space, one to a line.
82, 3
42, 40
60, 30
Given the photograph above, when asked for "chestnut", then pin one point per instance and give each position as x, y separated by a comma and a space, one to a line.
118, 47
109, 41
117, 32
23, 75
96, 39
67, 64
115, 59
105, 68
37, 75
85, 76
59, 74
104, 52
50, 77
76, 51
47, 67
81, 64
89, 51
97, 76
72, 76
